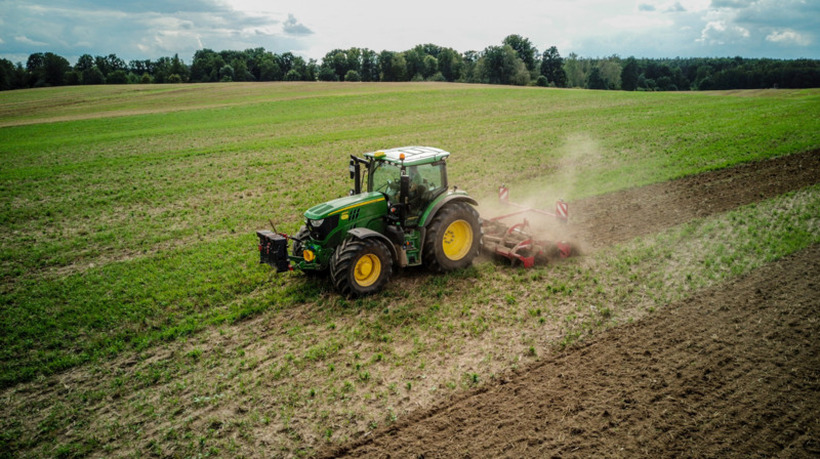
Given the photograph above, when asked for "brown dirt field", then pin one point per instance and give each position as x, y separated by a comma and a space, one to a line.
617, 217
733, 371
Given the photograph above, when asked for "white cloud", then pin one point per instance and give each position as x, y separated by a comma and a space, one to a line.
294, 27
28, 41
788, 37
721, 33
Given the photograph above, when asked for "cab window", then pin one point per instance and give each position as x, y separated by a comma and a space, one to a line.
426, 183
385, 179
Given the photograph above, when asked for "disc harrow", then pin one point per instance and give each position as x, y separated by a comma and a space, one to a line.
516, 242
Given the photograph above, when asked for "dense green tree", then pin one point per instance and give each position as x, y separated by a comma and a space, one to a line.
523, 48
293, 75
73, 78
437, 77
269, 70
629, 75
137, 66
226, 73
370, 65
311, 70
501, 65
429, 67
46, 69
610, 70
117, 77
205, 66
340, 61
162, 69
85, 62
393, 65
576, 71
327, 74
240, 70
469, 60
552, 67
179, 68
414, 59
450, 64
110, 63
352, 75
93, 76
595, 80
6, 75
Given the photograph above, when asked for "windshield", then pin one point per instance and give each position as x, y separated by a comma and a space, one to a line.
385, 179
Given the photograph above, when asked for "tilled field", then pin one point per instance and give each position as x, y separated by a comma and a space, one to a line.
617, 217
733, 371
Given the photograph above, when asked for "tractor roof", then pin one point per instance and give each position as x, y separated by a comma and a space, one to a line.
413, 156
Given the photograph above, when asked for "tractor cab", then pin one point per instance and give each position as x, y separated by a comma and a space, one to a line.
410, 178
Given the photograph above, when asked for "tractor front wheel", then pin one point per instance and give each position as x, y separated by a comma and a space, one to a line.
360, 267
453, 238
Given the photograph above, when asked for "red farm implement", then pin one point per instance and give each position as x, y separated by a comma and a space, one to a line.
517, 242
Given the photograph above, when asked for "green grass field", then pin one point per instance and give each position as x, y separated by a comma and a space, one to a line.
128, 218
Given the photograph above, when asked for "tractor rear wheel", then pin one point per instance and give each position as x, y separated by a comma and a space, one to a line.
453, 238
360, 267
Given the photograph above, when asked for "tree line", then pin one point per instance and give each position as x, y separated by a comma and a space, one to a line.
516, 61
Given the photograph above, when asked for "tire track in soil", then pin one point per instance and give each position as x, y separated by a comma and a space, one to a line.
732, 371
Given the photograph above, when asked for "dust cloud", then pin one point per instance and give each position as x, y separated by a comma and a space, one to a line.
578, 153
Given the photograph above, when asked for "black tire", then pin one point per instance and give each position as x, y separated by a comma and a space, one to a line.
360, 267
298, 249
453, 223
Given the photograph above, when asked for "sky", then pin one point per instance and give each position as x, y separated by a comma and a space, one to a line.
149, 29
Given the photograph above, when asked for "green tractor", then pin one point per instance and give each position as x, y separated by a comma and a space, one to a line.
408, 216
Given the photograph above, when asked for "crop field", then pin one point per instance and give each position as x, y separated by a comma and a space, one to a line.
136, 320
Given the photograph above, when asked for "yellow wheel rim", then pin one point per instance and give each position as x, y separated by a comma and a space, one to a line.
457, 240
367, 270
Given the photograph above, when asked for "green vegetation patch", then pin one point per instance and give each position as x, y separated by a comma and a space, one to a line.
127, 215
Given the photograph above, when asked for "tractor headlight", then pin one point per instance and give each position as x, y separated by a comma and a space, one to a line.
319, 229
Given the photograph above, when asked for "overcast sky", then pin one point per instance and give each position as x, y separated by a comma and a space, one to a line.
149, 29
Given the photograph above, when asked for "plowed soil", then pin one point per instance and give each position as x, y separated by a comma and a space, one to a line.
617, 217
733, 371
